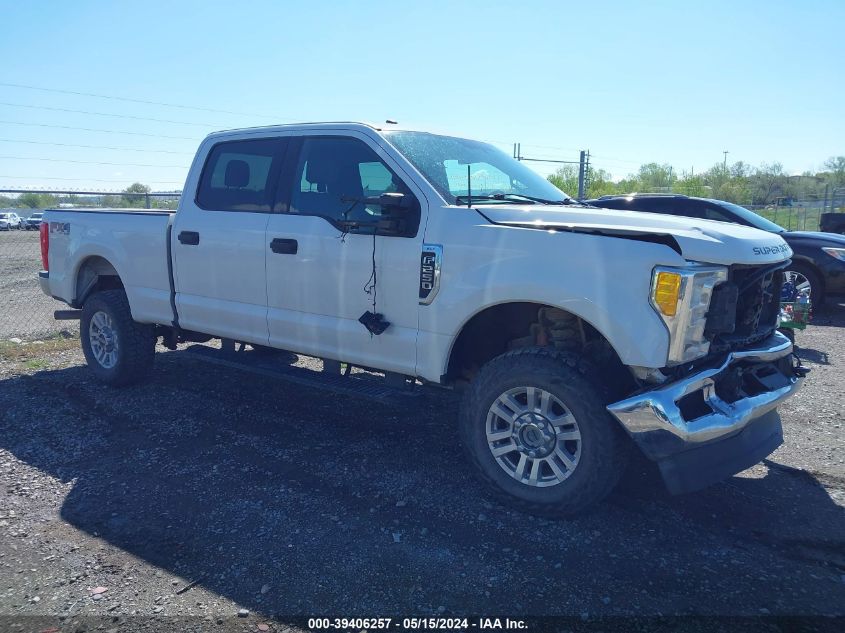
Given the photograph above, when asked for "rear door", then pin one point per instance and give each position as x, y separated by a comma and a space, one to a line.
322, 276
218, 241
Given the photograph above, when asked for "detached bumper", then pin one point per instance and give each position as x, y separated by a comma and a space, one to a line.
717, 422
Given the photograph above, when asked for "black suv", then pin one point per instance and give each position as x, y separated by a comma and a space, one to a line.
818, 260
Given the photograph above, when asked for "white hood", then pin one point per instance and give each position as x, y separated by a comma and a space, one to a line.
705, 241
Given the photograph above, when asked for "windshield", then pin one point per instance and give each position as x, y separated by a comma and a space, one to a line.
757, 221
443, 160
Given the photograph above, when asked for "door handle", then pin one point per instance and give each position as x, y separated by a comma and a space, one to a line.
191, 238
284, 247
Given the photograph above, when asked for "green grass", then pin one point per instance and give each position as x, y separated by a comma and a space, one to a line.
32, 353
793, 218
36, 363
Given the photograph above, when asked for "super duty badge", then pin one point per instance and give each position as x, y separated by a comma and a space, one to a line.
430, 262
771, 250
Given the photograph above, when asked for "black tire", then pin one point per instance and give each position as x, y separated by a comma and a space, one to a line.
604, 447
135, 349
817, 295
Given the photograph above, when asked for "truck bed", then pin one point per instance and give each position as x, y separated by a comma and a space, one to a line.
133, 241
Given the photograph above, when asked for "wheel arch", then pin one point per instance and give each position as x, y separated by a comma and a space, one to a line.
500, 327
94, 274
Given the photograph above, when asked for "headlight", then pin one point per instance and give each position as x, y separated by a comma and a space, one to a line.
838, 253
681, 296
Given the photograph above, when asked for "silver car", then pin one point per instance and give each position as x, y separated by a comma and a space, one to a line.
9, 221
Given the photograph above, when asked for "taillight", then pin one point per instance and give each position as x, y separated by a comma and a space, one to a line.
44, 230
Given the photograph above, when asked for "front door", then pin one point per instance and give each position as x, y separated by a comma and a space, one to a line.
218, 241
328, 264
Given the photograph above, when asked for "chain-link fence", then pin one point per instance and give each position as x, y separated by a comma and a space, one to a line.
797, 217
25, 312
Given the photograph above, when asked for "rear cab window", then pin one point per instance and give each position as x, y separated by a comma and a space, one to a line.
241, 175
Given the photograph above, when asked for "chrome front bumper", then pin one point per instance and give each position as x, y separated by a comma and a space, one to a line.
655, 420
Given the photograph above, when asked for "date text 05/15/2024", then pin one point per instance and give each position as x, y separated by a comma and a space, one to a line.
413, 624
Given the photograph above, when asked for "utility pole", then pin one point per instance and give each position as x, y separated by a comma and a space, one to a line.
726, 152
582, 174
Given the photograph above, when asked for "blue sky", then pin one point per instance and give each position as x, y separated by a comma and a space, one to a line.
633, 82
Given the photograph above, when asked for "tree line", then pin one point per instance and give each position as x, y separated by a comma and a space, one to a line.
740, 183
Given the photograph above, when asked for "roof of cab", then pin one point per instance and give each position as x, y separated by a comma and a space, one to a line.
314, 125
327, 125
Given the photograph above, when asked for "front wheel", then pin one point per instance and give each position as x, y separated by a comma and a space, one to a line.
118, 350
536, 429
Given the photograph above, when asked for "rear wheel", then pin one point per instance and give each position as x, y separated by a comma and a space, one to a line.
118, 350
536, 428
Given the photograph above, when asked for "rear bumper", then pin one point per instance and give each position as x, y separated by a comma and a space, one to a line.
726, 433
44, 282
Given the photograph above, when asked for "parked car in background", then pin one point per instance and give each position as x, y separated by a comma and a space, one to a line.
32, 222
832, 222
818, 259
9, 221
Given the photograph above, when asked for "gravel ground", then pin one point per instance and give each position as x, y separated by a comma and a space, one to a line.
25, 311
209, 490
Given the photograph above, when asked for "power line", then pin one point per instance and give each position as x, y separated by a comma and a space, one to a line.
607, 159
130, 100
92, 162
91, 129
548, 160
124, 149
158, 182
563, 149
116, 116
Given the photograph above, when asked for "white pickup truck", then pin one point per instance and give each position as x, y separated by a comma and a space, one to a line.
575, 332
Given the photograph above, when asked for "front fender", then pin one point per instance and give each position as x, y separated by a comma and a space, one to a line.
605, 281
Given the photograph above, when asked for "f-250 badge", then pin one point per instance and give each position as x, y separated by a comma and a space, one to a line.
430, 262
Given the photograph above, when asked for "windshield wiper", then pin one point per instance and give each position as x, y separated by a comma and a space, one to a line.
508, 196
495, 196
515, 196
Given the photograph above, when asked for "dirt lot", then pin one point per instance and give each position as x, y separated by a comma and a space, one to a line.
290, 501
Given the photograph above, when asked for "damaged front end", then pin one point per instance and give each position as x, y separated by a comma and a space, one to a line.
712, 418
717, 421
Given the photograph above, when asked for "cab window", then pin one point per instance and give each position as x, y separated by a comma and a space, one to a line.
334, 176
241, 175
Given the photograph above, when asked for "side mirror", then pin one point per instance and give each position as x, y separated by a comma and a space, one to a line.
398, 211
396, 208
391, 203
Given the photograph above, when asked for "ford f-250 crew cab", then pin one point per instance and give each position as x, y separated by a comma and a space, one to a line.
575, 332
